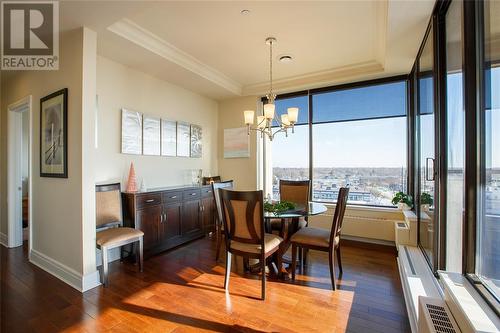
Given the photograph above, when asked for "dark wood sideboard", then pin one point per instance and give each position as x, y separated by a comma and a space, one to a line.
170, 216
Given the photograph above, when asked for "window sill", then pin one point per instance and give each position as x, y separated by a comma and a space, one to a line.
331, 205
470, 310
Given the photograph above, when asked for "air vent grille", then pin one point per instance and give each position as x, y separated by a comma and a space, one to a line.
401, 225
440, 319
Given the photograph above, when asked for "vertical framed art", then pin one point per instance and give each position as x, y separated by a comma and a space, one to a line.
54, 135
196, 142
131, 132
168, 137
151, 136
183, 139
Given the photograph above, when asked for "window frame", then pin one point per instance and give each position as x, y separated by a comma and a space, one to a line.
345, 86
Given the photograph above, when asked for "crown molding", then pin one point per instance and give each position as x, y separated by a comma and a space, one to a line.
148, 40
316, 79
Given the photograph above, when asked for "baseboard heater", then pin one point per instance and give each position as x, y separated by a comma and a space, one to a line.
435, 317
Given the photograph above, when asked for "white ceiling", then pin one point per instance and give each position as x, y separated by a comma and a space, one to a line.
211, 48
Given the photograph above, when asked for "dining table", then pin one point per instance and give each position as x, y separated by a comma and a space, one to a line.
290, 225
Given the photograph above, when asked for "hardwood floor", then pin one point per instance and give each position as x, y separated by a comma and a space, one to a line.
182, 291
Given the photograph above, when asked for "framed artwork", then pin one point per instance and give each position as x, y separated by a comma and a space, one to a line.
183, 139
151, 136
54, 135
131, 132
236, 143
196, 143
168, 137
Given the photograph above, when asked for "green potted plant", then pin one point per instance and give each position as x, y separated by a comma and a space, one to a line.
425, 201
403, 201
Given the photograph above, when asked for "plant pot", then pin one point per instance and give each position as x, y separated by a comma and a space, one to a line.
424, 208
403, 206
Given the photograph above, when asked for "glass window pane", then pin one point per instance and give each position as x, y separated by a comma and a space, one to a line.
426, 127
300, 102
488, 245
287, 156
382, 100
455, 118
369, 155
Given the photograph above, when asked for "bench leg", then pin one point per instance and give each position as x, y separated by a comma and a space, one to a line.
140, 254
104, 251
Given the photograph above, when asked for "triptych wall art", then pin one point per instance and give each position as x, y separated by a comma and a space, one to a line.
147, 135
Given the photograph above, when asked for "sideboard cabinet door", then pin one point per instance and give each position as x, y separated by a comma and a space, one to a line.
191, 219
171, 226
148, 220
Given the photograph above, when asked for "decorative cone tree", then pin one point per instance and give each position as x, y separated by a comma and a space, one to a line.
132, 181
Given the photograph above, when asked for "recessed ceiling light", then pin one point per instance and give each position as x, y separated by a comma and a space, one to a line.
285, 58
245, 11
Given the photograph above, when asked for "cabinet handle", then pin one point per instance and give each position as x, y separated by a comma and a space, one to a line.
161, 218
193, 193
150, 200
165, 219
173, 197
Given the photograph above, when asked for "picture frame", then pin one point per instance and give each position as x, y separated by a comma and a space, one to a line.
151, 136
196, 143
168, 137
131, 142
54, 135
183, 139
236, 143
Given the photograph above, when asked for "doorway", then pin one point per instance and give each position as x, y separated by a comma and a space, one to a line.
19, 172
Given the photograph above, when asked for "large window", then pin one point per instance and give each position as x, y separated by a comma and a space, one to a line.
488, 233
358, 139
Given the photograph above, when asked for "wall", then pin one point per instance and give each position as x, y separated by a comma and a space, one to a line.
242, 170
56, 218
121, 87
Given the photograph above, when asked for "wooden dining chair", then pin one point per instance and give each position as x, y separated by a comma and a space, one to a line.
210, 180
323, 240
243, 216
110, 232
219, 224
296, 191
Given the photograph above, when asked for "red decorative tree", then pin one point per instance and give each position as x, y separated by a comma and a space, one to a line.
132, 182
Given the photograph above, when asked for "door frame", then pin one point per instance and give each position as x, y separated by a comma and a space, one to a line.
14, 199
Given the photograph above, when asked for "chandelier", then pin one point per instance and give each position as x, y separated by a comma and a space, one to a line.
270, 124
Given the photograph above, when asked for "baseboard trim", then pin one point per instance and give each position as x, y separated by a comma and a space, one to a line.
4, 240
90, 281
370, 243
64, 273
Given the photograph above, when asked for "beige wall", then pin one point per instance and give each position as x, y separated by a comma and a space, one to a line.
122, 87
57, 218
242, 170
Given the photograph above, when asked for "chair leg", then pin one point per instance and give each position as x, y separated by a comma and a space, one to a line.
301, 259
294, 259
332, 268
141, 254
104, 252
228, 270
304, 255
339, 259
263, 269
218, 236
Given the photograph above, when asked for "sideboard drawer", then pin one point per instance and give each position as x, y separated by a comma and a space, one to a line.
150, 199
173, 196
191, 194
206, 191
